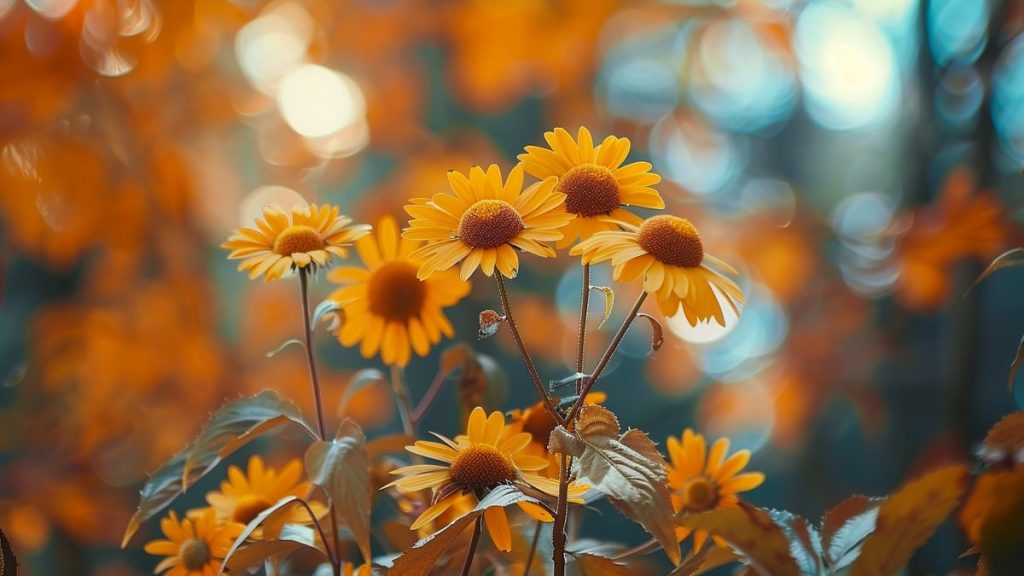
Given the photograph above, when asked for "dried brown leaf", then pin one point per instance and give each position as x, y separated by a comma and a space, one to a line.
561, 441
750, 531
609, 303
657, 333
908, 518
845, 527
341, 467
629, 470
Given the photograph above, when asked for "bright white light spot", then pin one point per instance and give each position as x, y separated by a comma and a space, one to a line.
273, 45
704, 332
885, 10
49, 8
848, 68
317, 102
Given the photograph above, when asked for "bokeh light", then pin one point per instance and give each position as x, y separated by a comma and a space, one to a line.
317, 102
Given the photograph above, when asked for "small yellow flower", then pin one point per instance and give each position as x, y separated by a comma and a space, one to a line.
485, 221
245, 494
668, 253
194, 546
701, 480
309, 236
386, 307
483, 458
595, 183
538, 422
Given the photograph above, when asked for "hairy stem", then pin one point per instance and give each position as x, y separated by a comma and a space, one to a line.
561, 515
472, 545
524, 352
318, 401
603, 363
581, 340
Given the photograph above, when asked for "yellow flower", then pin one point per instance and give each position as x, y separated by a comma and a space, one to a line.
539, 423
668, 253
279, 243
595, 183
194, 547
386, 307
244, 495
483, 458
702, 480
485, 221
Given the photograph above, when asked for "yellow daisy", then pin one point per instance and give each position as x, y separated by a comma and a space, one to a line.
282, 242
485, 221
595, 183
386, 307
668, 253
539, 423
702, 480
245, 494
483, 458
194, 547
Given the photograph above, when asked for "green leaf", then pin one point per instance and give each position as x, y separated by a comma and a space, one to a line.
1008, 259
359, 380
278, 538
609, 303
342, 468
236, 423
751, 532
421, 556
629, 470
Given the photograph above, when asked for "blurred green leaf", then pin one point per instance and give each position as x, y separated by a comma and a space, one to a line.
341, 467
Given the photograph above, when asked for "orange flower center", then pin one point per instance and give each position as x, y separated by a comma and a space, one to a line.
248, 507
672, 240
539, 424
481, 466
395, 293
298, 238
699, 494
489, 223
194, 554
590, 190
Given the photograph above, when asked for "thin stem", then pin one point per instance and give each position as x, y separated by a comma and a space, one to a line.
524, 352
581, 340
323, 536
307, 338
318, 401
403, 401
533, 548
603, 363
429, 397
561, 515
472, 545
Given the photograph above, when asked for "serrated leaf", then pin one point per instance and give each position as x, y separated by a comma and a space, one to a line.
845, 527
1010, 258
421, 556
908, 518
357, 382
282, 346
706, 559
275, 541
341, 467
236, 423
1005, 440
629, 470
609, 303
590, 564
804, 541
751, 532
